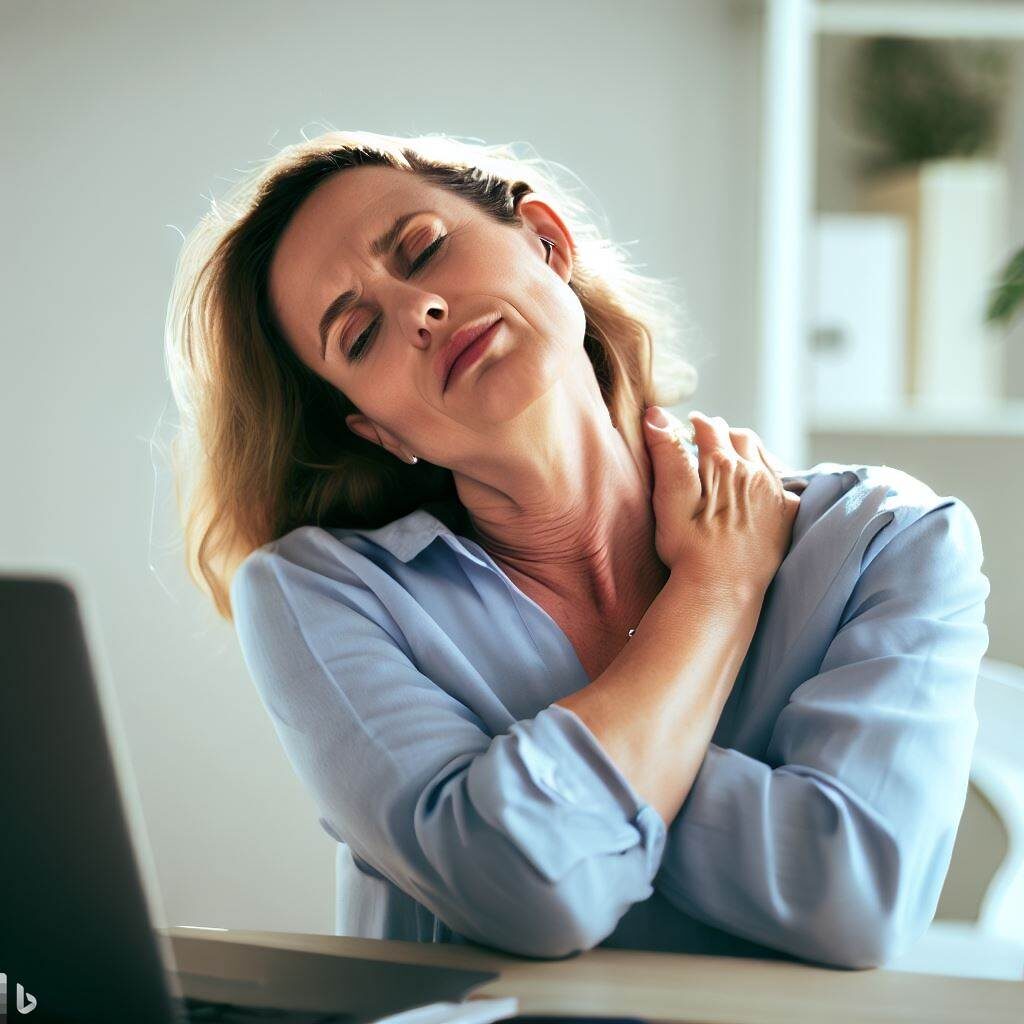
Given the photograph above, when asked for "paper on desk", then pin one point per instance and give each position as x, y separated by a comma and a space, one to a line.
473, 1011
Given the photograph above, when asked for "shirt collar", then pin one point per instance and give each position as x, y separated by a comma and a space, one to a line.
406, 537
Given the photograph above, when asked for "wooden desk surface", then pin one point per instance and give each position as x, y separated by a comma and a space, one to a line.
679, 987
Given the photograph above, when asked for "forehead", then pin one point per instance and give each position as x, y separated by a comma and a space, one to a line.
326, 241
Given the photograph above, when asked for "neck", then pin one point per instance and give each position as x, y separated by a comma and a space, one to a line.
570, 517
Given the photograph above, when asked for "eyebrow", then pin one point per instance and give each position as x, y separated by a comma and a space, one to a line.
379, 247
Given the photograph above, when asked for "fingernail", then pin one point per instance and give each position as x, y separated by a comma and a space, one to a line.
697, 412
656, 416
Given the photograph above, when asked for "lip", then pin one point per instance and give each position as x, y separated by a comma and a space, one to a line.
459, 342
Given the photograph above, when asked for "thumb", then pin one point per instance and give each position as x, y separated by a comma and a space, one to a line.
676, 477
668, 435
662, 426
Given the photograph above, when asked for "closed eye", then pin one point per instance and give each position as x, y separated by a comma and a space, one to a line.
427, 253
362, 344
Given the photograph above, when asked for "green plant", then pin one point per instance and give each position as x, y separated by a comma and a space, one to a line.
923, 99
1007, 298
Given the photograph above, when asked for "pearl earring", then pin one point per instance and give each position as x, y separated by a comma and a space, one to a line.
413, 460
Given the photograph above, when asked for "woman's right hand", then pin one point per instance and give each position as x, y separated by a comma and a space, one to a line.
723, 518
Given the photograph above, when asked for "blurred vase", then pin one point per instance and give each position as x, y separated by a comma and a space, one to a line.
958, 232
858, 313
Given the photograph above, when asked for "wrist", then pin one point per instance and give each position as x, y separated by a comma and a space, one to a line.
727, 594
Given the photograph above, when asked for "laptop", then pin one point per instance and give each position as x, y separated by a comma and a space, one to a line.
76, 937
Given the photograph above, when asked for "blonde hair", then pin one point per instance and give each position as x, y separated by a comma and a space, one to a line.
258, 450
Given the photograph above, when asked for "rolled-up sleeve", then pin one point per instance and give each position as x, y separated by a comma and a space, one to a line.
836, 849
530, 841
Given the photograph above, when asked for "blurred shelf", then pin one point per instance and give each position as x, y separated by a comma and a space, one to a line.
943, 20
1003, 420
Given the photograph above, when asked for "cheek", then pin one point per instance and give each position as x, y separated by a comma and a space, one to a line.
553, 310
382, 392
390, 395
545, 302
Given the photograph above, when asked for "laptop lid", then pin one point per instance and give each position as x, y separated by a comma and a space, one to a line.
75, 927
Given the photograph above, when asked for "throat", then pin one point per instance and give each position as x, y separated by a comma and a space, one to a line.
597, 636
596, 645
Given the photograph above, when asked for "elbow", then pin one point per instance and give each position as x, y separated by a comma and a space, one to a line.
860, 948
518, 910
497, 898
883, 915
872, 940
551, 940
856, 930
571, 932
548, 926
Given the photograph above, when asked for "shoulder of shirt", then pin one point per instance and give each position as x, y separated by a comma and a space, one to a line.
843, 502
875, 488
327, 550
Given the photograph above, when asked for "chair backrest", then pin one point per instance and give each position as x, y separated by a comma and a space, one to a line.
985, 883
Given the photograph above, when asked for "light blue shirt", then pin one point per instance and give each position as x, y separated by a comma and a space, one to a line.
412, 685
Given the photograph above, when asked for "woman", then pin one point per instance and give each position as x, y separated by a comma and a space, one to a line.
553, 681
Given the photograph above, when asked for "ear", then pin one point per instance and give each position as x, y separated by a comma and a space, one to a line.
365, 428
541, 219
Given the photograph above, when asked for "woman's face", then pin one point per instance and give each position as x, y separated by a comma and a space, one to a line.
451, 265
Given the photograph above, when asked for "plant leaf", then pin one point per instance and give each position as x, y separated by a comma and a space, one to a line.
1008, 296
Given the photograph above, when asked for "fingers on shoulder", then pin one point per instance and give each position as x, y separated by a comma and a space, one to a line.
746, 442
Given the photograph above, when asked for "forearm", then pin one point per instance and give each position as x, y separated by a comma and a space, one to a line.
655, 708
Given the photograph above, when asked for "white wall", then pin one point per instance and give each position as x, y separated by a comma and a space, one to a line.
118, 118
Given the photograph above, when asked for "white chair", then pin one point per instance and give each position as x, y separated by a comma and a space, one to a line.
978, 929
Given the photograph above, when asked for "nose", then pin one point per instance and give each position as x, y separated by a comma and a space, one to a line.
428, 315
